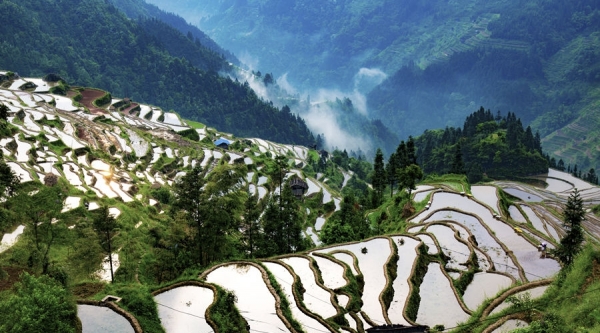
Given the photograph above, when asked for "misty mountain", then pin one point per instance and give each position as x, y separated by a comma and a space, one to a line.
91, 43
436, 61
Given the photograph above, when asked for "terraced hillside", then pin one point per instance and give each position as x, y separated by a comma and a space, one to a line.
466, 251
459, 253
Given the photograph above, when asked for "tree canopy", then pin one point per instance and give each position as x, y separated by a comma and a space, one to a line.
570, 244
37, 305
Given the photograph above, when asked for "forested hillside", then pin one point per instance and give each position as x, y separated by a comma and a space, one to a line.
487, 145
91, 43
539, 58
138, 9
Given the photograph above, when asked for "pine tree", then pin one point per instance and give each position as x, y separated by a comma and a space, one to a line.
458, 165
570, 244
251, 226
379, 178
106, 226
212, 207
9, 181
391, 170
3, 112
282, 225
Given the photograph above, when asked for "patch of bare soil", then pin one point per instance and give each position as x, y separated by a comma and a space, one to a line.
129, 108
89, 96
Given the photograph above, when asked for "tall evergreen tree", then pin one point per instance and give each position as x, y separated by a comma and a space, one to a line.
251, 226
212, 206
3, 112
9, 181
391, 171
379, 179
409, 176
106, 226
573, 215
282, 225
411, 151
458, 165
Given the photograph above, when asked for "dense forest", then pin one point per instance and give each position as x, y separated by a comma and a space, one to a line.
487, 145
139, 9
93, 44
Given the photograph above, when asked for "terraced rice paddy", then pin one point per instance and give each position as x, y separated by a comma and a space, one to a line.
182, 309
100, 319
372, 257
439, 304
484, 285
463, 227
318, 300
286, 280
10, 239
487, 195
247, 282
516, 215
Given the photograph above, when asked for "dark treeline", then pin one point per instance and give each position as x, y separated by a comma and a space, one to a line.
487, 145
91, 43
139, 9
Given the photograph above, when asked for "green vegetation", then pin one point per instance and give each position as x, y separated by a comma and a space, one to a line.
419, 271
284, 305
391, 269
487, 146
137, 300
346, 225
225, 314
37, 304
570, 245
103, 101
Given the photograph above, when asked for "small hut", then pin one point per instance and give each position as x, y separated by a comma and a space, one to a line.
222, 143
299, 187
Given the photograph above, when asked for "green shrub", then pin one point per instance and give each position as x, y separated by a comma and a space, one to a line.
190, 134
392, 271
138, 300
102, 101
225, 314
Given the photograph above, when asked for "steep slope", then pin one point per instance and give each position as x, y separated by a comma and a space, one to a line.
102, 48
138, 9
442, 59
332, 40
459, 248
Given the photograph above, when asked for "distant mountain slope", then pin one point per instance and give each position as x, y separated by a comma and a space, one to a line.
138, 9
443, 59
543, 61
330, 40
90, 43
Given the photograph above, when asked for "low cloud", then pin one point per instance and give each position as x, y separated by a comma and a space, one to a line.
321, 119
319, 116
368, 78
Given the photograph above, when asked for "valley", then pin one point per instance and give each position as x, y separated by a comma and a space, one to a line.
464, 251
267, 166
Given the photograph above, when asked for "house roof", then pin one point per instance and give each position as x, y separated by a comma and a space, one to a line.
222, 141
